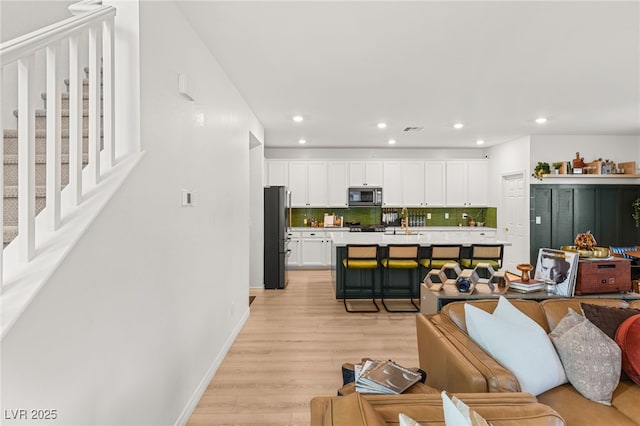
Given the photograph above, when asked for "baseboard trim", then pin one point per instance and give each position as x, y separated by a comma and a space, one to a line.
202, 387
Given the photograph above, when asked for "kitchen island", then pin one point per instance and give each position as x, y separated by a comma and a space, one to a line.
424, 237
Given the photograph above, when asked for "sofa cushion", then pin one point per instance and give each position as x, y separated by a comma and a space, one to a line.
519, 344
455, 311
500, 409
577, 410
625, 399
628, 337
555, 309
590, 358
607, 318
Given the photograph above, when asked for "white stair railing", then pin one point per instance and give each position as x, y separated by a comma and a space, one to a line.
91, 27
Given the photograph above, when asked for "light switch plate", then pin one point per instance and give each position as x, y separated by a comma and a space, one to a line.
446, 215
538, 220
187, 198
428, 216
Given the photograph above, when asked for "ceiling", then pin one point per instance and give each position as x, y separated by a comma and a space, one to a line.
494, 66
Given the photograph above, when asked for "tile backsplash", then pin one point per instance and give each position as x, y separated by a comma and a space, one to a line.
373, 215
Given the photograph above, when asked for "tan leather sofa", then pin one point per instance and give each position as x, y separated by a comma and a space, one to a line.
512, 409
455, 363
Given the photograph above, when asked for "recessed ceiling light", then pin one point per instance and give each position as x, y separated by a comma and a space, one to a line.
298, 118
382, 125
391, 141
479, 141
302, 141
458, 126
541, 120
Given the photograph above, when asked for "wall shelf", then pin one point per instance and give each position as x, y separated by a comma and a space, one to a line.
582, 176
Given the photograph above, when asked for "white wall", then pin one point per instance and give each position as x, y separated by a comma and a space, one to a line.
504, 159
32, 15
256, 212
139, 315
552, 148
381, 154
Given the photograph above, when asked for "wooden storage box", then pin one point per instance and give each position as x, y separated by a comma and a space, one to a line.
603, 276
628, 167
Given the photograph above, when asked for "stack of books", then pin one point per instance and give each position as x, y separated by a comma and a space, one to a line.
384, 377
527, 286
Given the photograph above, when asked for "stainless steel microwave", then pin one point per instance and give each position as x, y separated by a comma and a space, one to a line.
365, 197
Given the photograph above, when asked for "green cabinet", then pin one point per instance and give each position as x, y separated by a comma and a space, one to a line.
560, 212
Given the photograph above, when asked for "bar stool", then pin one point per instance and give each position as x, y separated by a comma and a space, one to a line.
485, 253
401, 256
361, 257
442, 254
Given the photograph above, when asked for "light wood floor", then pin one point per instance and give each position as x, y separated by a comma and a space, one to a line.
291, 349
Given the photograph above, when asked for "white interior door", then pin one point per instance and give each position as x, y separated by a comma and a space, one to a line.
515, 220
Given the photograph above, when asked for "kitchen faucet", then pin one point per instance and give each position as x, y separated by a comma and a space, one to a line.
404, 223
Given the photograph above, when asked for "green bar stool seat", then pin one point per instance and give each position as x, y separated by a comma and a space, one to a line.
442, 254
361, 258
401, 257
485, 253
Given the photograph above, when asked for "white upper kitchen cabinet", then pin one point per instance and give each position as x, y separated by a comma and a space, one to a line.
478, 181
308, 183
413, 194
337, 183
434, 183
298, 171
277, 173
365, 173
392, 184
466, 183
317, 184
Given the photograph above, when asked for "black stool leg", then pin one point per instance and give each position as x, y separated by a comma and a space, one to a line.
385, 284
373, 296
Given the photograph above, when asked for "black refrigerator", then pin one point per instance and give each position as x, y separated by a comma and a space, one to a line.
276, 218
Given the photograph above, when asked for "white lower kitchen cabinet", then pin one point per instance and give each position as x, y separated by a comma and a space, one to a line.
312, 250
293, 247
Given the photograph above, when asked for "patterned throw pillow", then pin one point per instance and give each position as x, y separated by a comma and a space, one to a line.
591, 360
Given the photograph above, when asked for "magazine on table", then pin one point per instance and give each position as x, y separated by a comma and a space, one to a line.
559, 269
385, 377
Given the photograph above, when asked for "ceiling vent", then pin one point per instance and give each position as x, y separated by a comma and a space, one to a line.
413, 129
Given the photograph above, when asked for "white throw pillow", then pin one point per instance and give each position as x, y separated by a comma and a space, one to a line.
457, 413
405, 420
518, 343
453, 416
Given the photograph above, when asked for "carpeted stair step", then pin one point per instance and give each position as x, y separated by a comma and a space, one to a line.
9, 233
11, 168
11, 141
11, 203
41, 118
65, 101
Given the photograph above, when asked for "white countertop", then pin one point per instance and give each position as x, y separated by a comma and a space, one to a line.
390, 229
422, 238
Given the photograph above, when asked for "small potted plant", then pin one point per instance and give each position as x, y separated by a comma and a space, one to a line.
556, 167
542, 168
